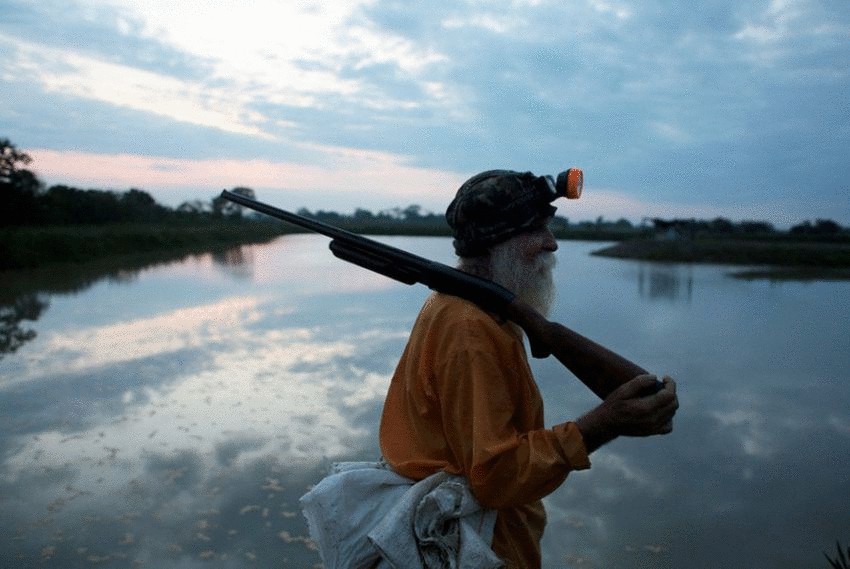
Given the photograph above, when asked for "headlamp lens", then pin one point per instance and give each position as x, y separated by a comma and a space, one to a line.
570, 183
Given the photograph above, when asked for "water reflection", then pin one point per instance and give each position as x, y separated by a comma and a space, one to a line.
665, 281
202, 460
13, 334
237, 261
174, 419
25, 294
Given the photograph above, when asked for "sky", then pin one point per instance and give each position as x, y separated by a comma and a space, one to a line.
732, 108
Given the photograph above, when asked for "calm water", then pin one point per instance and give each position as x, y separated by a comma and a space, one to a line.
172, 416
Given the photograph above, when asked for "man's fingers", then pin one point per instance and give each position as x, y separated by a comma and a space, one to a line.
644, 406
666, 404
637, 386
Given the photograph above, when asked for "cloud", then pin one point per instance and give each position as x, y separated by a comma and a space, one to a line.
670, 101
88, 348
236, 391
81, 76
288, 55
203, 448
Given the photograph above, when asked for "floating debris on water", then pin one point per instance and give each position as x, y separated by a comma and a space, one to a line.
48, 552
249, 508
272, 485
287, 537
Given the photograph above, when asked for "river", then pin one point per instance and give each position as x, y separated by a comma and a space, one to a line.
171, 415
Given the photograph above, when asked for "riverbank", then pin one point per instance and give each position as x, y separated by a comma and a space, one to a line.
39, 246
778, 253
31, 247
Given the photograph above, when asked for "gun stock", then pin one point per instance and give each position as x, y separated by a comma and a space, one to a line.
599, 368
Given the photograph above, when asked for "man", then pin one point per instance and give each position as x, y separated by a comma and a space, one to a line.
463, 399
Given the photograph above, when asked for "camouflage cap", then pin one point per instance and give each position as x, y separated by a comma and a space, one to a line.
493, 206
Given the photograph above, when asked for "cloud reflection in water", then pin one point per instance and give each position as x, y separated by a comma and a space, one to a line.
160, 434
204, 464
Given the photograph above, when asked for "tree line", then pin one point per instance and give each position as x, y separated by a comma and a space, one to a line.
29, 202
722, 227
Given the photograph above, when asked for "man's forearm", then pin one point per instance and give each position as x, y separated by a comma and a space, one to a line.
595, 429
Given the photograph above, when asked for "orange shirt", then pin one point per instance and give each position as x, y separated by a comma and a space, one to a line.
463, 400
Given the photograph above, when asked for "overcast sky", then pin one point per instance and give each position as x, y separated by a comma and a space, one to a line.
734, 108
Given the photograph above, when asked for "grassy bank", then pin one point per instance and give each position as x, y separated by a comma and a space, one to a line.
29, 247
778, 253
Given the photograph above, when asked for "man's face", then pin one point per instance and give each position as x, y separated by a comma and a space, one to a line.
523, 265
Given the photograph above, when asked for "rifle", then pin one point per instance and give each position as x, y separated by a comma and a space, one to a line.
597, 367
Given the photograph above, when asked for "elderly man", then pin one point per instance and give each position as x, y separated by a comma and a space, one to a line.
463, 399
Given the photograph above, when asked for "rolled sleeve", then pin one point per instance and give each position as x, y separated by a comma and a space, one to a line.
572, 445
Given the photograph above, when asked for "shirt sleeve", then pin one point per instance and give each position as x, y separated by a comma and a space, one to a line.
484, 406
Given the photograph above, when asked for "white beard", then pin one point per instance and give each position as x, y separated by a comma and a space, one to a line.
531, 281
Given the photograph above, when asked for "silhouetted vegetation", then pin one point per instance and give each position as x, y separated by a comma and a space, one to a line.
25, 307
807, 246
821, 230
41, 225
28, 203
411, 220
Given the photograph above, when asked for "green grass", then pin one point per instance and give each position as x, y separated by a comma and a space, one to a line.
734, 252
30, 247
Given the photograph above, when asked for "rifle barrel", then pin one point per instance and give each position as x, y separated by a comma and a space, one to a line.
597, 367
307, 223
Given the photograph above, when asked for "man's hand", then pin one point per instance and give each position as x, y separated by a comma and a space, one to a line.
638, 408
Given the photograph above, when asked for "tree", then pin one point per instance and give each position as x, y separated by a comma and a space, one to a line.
821, 227
194, 207
826, 227
12, 334
19, 187
226, 208
721, 225
412, 213
361, 214
748, 226
138, 205
10, 157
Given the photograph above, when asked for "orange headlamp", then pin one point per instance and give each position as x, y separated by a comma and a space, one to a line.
567, 185
570, 183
